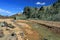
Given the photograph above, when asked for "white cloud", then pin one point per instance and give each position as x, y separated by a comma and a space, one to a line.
19, 8
40, 3
16, 8
4, 11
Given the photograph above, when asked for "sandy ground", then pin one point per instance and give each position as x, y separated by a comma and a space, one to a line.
16, 29
21, 26
25, 28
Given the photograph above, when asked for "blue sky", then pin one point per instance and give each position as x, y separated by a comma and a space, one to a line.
10, 7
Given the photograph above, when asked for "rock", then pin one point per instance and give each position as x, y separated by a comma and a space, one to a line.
1, 33
22, 34
3, 24
13, 36
45, 39
10, 26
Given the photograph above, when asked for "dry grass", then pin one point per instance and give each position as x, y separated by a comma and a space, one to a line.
49, 23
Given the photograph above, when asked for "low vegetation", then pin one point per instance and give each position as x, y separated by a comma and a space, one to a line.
44, 32
51, 13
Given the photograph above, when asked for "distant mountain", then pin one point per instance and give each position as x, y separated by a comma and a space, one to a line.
18, 14
1, 16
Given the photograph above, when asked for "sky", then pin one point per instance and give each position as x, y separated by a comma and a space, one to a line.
10, 7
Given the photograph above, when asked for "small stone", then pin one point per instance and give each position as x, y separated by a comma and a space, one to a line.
13, 34
45, 39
